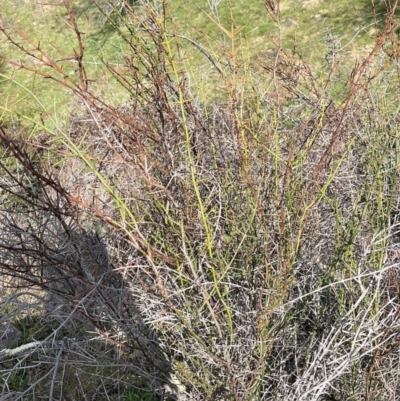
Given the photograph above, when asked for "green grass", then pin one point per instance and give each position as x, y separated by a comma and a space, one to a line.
46, 28
304, 26
139, 396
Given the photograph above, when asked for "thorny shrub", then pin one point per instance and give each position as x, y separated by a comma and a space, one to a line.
239, 248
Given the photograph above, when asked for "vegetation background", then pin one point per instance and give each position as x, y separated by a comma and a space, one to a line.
199, 200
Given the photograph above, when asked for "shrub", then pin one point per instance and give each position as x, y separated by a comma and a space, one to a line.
234, 249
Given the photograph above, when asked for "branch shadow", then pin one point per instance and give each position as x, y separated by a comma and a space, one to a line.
90, 324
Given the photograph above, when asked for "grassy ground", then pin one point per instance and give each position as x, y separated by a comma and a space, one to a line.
47, 29
309, 27
303, 24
